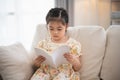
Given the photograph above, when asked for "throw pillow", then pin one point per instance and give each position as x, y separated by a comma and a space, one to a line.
14, 62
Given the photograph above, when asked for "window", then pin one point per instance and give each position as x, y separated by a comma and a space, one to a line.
115, 12
19, 18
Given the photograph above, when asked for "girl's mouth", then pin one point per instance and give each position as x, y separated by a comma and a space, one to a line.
55, 36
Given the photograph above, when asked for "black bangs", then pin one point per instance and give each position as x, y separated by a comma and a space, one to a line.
56, 19
57, 14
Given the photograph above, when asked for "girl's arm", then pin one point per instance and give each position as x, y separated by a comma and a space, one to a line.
74, 60
77, 63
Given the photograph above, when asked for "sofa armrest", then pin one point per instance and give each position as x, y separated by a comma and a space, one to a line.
111, 67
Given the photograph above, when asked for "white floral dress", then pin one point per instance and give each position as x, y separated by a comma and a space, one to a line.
64, 71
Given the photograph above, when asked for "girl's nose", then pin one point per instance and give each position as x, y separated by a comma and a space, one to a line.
56, 32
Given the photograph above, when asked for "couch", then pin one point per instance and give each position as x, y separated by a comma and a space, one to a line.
100, 48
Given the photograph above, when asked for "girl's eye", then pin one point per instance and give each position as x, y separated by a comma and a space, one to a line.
51, 29
59, 29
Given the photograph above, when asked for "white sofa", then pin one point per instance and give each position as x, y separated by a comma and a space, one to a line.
100, 48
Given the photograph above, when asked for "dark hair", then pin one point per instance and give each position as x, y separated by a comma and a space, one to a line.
57, 14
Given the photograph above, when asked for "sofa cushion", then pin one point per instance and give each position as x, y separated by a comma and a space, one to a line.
111, 66
92, 38
14, 62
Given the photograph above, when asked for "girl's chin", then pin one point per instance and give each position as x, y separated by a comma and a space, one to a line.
55, 39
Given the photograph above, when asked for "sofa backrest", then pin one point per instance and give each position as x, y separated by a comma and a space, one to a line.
92, 38
111, 66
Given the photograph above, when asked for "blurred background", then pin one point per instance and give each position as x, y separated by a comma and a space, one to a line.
19, 18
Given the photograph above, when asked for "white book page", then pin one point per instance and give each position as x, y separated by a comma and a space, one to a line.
56, 58
48, 57
58, 55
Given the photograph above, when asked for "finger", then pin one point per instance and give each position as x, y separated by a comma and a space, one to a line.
41, 60
40, 57
69, 56
66, 54
36, 64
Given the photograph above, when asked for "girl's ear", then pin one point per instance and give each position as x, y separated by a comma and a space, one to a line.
67, 26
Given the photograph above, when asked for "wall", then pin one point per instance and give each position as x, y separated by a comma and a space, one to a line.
92, 12
105, 13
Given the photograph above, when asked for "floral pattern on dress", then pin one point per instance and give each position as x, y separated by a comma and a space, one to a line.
64, 71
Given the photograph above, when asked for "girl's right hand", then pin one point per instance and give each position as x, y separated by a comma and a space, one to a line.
38, 61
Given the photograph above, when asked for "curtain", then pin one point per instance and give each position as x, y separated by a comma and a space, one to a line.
19, 18
69, 6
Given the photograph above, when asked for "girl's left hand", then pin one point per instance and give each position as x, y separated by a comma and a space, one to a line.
71, 58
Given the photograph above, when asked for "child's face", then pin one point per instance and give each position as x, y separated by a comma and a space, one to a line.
57, 30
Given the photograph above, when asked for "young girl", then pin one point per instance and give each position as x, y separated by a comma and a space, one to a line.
57, 24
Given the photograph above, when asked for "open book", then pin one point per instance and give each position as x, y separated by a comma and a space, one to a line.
55, 58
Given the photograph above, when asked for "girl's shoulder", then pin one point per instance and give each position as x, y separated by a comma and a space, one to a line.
73, 41
75, 46
43, 42
46, 40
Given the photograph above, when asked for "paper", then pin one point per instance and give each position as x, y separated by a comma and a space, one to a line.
55, 58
